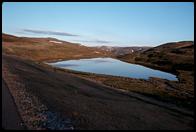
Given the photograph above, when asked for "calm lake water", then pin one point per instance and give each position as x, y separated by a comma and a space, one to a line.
114, 67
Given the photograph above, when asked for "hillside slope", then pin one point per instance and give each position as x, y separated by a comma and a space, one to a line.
169, 57
42, 49
176, 58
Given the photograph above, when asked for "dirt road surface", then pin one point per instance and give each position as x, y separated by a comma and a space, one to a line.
11, 119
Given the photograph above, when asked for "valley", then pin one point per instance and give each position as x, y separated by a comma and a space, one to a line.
95, 101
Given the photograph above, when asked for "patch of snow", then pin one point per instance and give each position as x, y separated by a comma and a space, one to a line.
58, 42
97, 52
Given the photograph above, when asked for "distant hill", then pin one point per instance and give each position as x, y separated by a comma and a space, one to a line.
48, 48
170, 56
123, 50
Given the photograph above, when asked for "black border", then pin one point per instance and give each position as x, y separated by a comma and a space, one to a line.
2, 1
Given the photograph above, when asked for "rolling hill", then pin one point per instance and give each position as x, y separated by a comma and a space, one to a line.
42, 49
170, 56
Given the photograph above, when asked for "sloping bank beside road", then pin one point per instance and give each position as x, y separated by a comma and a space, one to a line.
10, 117
90, 106
33, 114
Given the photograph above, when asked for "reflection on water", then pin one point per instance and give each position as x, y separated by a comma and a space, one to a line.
114, 67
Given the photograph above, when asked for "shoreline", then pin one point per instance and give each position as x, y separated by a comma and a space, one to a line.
139, 64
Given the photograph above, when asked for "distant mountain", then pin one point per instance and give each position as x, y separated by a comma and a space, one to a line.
123, 50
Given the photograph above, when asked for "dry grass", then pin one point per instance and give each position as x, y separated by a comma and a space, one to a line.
179, 93
43, 50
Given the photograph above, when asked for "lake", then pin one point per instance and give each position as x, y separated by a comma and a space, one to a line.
110, 66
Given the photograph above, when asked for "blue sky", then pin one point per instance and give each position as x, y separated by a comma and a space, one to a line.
96, 23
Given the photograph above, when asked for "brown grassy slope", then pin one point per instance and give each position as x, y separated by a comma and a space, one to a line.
171, 56
177, 58
41, 49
